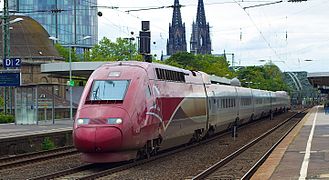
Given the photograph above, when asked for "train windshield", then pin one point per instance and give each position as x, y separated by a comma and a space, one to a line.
108, 90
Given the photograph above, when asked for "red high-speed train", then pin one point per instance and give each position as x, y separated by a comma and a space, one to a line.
134, 109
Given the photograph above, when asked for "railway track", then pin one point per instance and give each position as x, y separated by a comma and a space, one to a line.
29, 158
245, 161
93, 171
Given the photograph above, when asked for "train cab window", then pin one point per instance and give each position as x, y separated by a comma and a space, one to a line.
108, 90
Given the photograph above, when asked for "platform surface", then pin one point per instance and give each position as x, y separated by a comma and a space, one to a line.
304, 153
12, 130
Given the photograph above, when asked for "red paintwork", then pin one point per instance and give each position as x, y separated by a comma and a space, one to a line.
173, 112
137, 127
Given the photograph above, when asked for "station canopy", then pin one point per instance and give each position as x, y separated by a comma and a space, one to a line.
319, 80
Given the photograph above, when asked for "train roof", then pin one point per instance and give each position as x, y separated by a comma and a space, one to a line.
191, 76
145, 65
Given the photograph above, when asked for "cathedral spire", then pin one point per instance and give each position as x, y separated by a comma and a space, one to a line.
200, 39
177, 38
176, 17
201, 15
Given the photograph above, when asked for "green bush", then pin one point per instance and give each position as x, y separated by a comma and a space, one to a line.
6, 118
48, 144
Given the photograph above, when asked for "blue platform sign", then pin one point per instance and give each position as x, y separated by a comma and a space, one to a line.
10, 79
12, 62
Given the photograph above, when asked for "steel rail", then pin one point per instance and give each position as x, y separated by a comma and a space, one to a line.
254, 168
23, 159
125, 166
230, 157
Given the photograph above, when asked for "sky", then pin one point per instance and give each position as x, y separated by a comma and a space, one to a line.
285, 34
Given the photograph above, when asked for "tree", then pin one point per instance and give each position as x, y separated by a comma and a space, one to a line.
64, 52
120, 50
2, 102
183, 60
267, 77
207, 63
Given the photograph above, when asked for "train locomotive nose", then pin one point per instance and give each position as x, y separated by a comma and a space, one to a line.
98, 139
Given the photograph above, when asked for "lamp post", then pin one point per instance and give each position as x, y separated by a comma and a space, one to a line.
70, 71
130, 39
6, 47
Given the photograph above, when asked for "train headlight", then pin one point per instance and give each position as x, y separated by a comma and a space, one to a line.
81, 121
114, 121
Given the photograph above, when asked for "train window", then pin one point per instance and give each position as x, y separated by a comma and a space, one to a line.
164, 74
108, 90
175, 75
161, 74
148, 92
225, 102
157, 72
172, 75
218, 103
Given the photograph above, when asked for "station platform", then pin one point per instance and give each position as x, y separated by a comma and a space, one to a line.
44, 127
304, 153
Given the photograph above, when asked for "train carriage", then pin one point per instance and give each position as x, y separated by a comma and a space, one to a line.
134, 109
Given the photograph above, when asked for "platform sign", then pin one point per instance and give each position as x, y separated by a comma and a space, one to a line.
70, 83
10, 79
12, 63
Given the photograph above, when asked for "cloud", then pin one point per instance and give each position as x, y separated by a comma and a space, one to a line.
305, 23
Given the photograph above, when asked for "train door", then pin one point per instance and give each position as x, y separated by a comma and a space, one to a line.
207, 106
157, 104
236, 102
253, 101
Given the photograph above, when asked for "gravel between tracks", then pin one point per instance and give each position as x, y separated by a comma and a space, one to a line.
41, 168
177, 166
188, 163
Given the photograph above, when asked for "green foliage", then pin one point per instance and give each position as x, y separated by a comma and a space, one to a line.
6, 118
207, 63
2, 102
47, 144
267, 77
120, 50
65, 53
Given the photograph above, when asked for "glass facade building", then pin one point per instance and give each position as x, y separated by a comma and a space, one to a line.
73, 20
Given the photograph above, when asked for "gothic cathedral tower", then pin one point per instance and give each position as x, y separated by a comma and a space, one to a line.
200, 38
177, 38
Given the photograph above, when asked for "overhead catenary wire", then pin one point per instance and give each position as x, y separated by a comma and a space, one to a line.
260, 32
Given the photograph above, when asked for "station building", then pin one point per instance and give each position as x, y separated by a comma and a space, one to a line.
30, 42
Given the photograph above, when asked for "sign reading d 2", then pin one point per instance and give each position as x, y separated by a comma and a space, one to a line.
12, 62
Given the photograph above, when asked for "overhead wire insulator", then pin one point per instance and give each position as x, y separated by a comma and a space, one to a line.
296, 0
